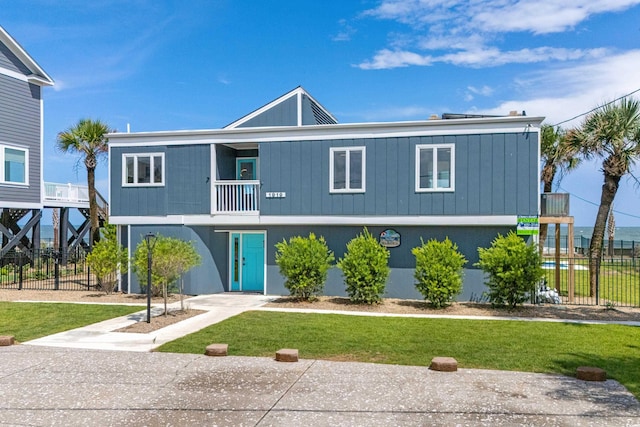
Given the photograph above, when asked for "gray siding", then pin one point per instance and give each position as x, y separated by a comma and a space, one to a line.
210, 275
401, 283
20, 126
212, 244
187, 188
9, 61
495, 174
282, 114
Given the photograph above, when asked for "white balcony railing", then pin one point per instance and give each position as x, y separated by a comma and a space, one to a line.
66, 192
237, 196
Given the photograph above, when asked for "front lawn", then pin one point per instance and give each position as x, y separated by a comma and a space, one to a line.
489, 344
27, 321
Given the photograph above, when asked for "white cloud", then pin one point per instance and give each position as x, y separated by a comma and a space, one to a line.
538, 17
345, 33
470, 32
488, 57
484, 90
562, 92
392, 59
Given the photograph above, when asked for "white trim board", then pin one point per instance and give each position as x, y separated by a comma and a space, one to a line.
516, 124
240, 220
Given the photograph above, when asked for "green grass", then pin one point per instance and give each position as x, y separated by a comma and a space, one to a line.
619, 281
27, 321
490, 344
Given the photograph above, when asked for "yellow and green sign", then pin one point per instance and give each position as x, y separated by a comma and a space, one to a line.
528, 226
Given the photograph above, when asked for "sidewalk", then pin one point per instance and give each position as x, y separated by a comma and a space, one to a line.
73, 378
58, 386
100, 336
218, 307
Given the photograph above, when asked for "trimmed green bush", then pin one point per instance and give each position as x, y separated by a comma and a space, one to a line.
365, 267
304, 263
513, 267
107, 258
438, 271
171, 258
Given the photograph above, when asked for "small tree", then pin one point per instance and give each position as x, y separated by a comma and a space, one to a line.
171, 258
439, 271
304, 262
513, 267
107, 258
365, 268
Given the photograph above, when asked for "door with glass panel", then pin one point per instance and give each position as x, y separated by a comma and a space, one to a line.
247, 262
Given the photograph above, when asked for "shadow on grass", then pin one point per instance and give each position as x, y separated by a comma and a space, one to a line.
622, 369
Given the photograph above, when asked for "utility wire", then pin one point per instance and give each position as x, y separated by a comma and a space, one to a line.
597, 108
596, 204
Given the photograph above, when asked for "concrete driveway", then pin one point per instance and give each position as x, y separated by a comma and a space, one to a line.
42, 385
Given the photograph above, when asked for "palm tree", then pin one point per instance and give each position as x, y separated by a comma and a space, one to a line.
557, 156
612, 133
87, 139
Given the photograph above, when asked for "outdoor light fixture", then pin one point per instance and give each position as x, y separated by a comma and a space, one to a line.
151, 242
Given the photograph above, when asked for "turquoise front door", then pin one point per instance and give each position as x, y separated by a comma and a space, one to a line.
247, 262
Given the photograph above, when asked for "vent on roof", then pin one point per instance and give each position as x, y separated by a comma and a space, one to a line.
322, 118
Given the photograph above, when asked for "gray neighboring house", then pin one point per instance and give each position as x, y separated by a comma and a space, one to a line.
21, 142
289, 168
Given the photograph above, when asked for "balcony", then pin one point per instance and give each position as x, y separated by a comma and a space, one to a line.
236, 197
66, 193
554, 204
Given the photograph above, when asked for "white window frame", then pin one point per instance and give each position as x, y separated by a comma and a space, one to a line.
452, 169
135, 157
348, 150
3, 147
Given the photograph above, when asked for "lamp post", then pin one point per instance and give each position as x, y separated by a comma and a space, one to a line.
151, 242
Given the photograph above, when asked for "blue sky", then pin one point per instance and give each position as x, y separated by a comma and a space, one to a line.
166, 65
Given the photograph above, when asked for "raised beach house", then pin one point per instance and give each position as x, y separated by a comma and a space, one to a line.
289, 168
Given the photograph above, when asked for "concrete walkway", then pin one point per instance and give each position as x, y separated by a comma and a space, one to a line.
42, 386
218, 307
74, 378
100, 336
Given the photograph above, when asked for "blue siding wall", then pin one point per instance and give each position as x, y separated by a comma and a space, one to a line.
210, 275
495, 174
401, 283
282, 114
212, 244
9, 61
187, 188
20, 127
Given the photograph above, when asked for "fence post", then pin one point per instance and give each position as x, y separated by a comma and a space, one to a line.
56, 272
88, 278
20, 275
598, 281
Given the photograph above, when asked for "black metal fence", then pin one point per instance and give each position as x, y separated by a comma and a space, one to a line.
617, 285
610, 248
46, 269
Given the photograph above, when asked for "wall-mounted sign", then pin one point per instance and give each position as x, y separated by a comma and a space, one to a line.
275, 194
390, 238
528, 226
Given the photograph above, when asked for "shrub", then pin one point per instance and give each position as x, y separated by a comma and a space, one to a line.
365, 268
438, 271
106, 259
513, 268
304, 263
171, 258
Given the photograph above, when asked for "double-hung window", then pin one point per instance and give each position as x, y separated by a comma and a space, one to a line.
347, 170
13, 165
435, 167
143, 169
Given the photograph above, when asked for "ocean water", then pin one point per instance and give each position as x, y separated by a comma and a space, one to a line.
626, 237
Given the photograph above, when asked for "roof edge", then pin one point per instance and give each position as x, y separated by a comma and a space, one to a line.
39, 76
